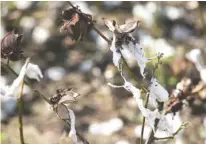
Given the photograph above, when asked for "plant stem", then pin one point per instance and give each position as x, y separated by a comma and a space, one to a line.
143, 123
20, 109
151, 135
174, 134
132, 75
80, 137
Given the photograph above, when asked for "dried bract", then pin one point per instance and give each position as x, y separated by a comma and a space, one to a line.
76, 24
64, 96
10, 46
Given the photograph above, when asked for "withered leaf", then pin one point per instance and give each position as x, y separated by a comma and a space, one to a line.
76, 24
110, 24
62, 111
64, 96
129, 26
70, 96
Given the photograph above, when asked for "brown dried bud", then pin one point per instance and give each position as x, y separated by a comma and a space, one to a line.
64, 96
174, 105
76, 24
10, 46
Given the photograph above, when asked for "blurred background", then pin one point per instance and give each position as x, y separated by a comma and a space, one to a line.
104, 115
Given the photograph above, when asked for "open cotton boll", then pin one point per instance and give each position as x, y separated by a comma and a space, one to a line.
72, 132
153, 102
168, 125
137, 51
150, 116
116, 55
165, 124
34, 72
158, 92
14, 88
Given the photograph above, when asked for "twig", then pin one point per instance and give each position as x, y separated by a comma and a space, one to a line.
147, 100
79, 135
20, 108
174, 134
151, 135
143, 123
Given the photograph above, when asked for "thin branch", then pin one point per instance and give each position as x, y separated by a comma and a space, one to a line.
79, 135
20, 109
174, 134
143, 123
132, 75
151, 135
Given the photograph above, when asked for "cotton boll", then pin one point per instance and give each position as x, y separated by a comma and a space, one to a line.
157, 91
14, 88
150, 117
137, 51
34, 72
116, 55
168, 125
165, 124
153, 102
72, 132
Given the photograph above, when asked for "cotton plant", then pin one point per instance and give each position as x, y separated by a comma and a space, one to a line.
28, 69
60, 102
123, 40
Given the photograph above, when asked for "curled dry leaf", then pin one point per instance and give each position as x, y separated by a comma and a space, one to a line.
110, 24
62, 111
64, 96
129, 26
76, 24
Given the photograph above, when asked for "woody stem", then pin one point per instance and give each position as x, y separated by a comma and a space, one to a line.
20, 108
